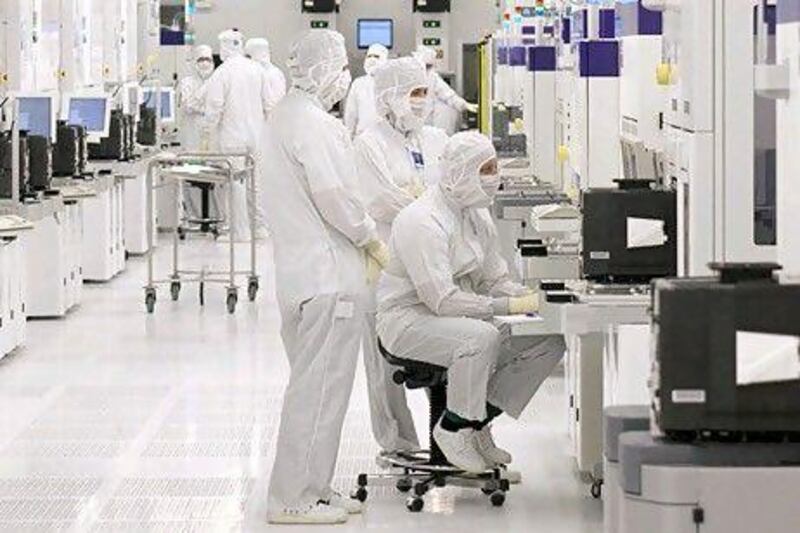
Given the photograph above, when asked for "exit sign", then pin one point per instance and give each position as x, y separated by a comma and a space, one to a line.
432, 41
319, 24
431, 23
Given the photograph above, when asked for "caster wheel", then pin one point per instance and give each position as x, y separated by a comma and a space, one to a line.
150, 301
175, 290
490, 487
361, 494
363, 480
505, 485
404, 485
440, 482
498, 498
252, 290
596, 490
420, 489
415, 505
231, 302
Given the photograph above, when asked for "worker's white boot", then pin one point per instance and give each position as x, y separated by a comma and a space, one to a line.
350, 505
484, 442
459, 448
319, 513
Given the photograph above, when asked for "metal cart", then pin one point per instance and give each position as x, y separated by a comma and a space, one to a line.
212, 168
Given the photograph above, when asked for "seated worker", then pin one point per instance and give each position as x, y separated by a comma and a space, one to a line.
444, 283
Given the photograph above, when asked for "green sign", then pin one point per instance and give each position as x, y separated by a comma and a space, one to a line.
431, 23
319, 24
432, 41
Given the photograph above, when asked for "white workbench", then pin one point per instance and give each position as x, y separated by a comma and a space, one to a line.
12, 283
607, 356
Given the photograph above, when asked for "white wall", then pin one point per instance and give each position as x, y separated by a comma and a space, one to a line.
281, 21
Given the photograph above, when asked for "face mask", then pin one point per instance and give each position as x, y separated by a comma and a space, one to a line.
371, 64
205, 68
490, 184
336, 91
419, 104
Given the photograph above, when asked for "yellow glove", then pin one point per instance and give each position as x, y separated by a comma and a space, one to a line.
523, 305
373, 271
378, 251
472, 108
415, 189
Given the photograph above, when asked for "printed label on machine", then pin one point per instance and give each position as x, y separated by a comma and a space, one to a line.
600, 256
688, 396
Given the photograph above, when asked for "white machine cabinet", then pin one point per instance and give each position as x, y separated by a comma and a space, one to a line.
103, 247
12, 284
675, 488
47, 258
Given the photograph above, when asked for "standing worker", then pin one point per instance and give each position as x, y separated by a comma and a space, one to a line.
359, 109
192, 105
237, 104
397, 157
323, 237
444, 100
258, 50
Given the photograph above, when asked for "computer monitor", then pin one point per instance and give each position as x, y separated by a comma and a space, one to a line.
167, 102
375, 31
37, 114
90, 110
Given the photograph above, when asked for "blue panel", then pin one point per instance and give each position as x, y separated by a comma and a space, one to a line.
634, 19
529, 30
607, 24
502, 55
542, 59
517, 57
598, 59
566, 30
788, 11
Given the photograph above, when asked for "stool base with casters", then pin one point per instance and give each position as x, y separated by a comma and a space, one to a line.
417, 472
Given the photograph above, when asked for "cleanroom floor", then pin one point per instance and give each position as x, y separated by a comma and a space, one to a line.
114, 420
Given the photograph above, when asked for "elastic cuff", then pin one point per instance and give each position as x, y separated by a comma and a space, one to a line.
500, 306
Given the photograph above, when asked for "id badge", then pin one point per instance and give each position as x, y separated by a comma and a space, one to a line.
417, 158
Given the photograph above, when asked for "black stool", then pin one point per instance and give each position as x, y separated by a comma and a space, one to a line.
428, 467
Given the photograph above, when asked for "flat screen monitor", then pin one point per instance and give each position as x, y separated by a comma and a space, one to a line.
167, 106
90, 110
375, 31
37, 115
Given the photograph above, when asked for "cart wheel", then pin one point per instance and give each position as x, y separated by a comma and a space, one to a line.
175, 290
181, 234
233, 299
498, 498
404, 484
596, 489
420, 489
361, 495
415, 505
150, 300
202, 293
252, 289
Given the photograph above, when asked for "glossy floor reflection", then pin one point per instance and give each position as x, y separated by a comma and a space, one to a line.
113, 420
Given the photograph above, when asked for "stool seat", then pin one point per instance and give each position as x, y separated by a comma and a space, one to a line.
414, 374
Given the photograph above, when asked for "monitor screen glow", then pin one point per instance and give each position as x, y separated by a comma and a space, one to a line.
375, 31
36, 115
89, 112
